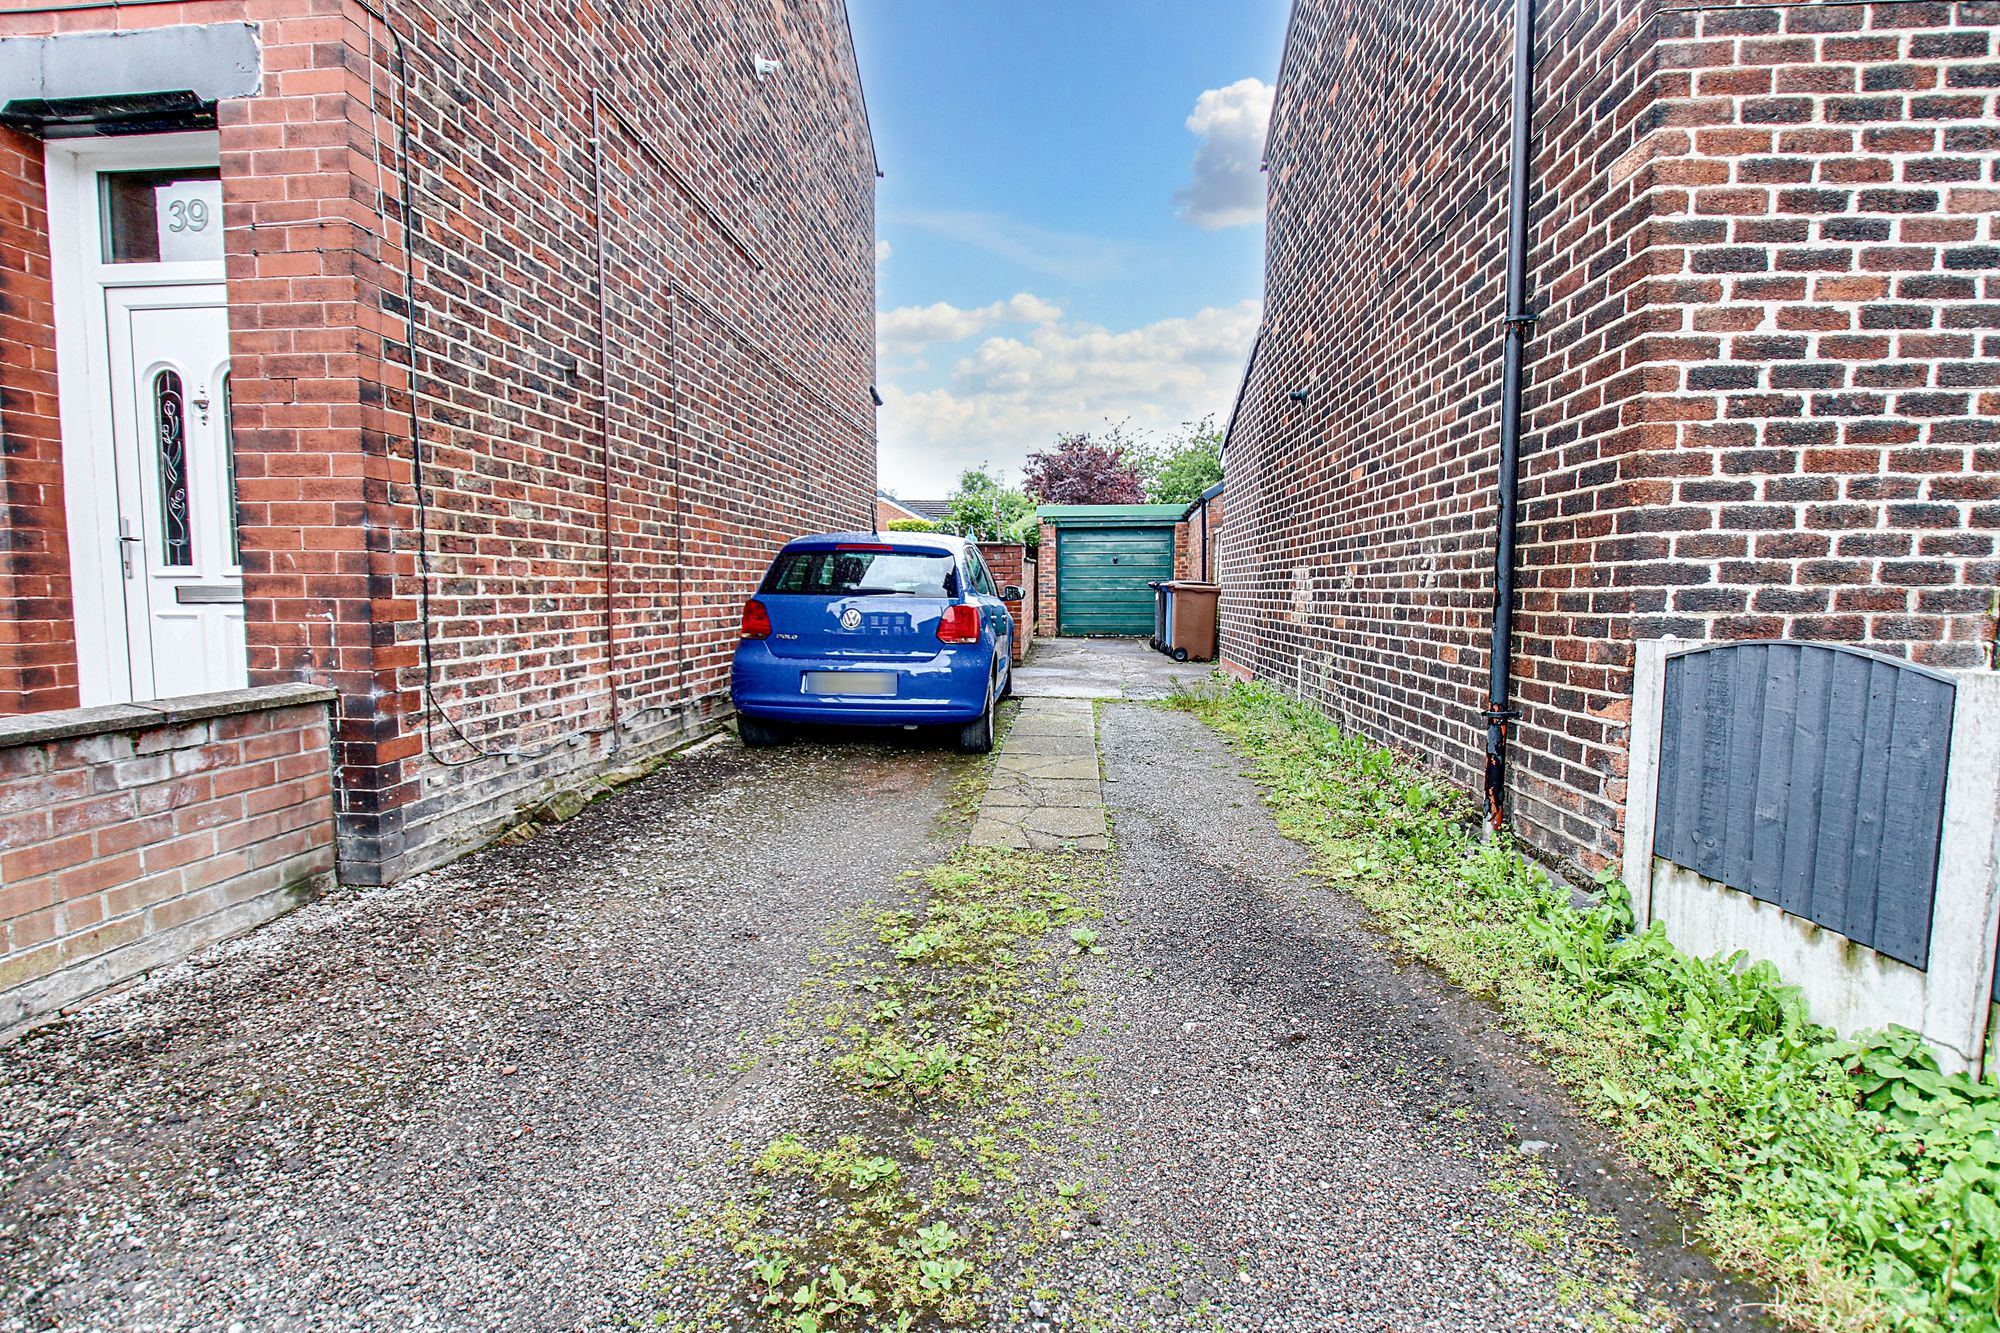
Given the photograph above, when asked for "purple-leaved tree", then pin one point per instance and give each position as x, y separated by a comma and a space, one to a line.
1078, 470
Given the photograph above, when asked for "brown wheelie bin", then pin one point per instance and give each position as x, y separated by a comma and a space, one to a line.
1191, 620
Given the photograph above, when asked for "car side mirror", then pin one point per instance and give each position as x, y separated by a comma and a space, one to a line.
1013, 593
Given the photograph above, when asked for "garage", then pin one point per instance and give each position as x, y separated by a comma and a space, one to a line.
1107, 557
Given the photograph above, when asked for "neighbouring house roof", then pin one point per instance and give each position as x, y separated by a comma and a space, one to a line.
930, 511
1242, 387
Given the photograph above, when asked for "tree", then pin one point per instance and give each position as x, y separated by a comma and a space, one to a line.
1178, 471
986, 509
1079, 470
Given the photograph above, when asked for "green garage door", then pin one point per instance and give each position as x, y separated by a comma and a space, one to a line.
1101, 577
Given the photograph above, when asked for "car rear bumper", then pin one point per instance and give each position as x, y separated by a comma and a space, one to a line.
949, 687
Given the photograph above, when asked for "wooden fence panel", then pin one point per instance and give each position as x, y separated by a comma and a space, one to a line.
1810, 776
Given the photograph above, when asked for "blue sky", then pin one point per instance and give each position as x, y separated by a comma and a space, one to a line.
1056, 245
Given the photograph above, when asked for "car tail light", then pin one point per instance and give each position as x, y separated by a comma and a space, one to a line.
960, 624
756, 620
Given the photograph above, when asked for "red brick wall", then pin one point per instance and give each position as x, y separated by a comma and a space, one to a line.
1760, 395
1208, 534
602, 484
1045, 582
150, 834
37, 632
732, 361
1008, 563
1193, 536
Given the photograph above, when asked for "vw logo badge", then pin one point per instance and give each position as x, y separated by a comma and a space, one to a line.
850, 618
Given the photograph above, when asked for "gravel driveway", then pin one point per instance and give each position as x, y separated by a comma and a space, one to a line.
479, 1100
464, 1102
1335, 1140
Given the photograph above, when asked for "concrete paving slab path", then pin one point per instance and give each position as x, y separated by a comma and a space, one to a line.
1044, 792
1101, 669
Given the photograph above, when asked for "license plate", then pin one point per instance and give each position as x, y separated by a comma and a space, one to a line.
850, 682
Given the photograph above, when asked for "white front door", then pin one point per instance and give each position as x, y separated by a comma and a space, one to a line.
142, 357
183, 581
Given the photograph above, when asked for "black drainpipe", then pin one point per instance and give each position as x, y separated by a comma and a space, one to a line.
1497, 712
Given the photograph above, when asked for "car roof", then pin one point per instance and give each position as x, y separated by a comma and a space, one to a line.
942, 541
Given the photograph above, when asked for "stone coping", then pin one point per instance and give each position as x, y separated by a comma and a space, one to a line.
69, 723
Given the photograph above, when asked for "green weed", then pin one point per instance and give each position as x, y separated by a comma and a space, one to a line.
1856, 1179
944, 1015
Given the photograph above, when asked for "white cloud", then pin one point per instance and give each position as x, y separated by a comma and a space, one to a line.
882, 252
1060, 254
913, 327
1010, 395
1228, 185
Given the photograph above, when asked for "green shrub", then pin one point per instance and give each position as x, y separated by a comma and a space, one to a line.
1857, 1180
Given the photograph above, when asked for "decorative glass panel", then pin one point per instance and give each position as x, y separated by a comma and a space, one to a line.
170, 424
229, 472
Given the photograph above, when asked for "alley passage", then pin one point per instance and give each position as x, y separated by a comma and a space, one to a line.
491, 1097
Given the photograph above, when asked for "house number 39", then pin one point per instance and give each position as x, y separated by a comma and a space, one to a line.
187, 215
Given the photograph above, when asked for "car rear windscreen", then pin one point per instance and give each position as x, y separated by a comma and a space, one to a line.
862, 574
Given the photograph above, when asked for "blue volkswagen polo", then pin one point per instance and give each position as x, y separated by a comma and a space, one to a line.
898, 629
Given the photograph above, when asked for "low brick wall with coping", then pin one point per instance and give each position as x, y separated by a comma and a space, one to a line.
133, 834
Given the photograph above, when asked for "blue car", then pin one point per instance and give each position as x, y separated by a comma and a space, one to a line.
898, 629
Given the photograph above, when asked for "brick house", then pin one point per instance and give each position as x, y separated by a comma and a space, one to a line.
468, 360
1762, 389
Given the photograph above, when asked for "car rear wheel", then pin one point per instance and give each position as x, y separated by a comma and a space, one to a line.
976, 736
756, 731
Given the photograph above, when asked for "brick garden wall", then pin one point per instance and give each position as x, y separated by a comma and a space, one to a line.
1008, 563
1761, 394
132, 835
623, 408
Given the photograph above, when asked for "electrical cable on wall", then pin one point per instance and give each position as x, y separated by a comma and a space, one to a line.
412, 224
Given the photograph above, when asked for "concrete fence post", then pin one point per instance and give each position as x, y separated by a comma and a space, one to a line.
1965, 916
1642, 771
